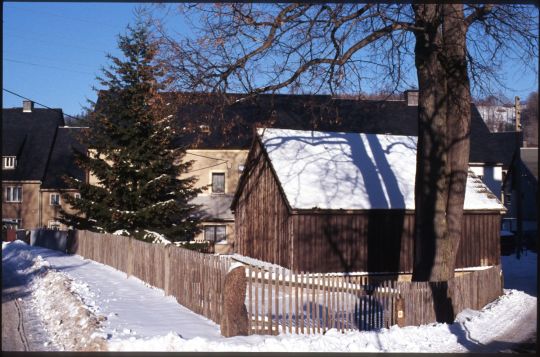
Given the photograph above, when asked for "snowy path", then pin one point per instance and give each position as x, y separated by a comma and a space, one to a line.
132, 308
141, 318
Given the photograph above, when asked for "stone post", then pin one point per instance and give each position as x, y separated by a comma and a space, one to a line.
234, 320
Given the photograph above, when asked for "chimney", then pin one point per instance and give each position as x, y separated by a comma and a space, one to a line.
28, 106
412, 97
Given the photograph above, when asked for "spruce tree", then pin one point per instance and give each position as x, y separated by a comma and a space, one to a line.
131, 154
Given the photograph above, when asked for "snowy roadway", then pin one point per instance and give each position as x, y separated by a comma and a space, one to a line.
85, 305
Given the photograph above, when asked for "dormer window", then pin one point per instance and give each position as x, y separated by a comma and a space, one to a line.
9, 162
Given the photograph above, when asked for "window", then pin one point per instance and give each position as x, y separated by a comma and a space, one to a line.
77, 196
218, 182
13, 223
9, 162
55, 199
13, 194
215, 233
54, 225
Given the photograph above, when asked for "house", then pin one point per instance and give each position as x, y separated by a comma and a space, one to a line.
36, 153
213, 129
322, 201
521, 192
218, 172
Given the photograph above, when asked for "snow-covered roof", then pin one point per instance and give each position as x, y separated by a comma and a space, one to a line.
335, 170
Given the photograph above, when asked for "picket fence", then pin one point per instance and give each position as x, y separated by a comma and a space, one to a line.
194, 279
280, 301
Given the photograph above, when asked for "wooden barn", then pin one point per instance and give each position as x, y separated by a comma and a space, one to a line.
344, 202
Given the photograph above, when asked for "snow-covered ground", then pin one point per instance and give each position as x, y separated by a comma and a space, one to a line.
89, 306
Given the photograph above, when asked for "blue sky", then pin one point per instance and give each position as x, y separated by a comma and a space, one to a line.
52, 52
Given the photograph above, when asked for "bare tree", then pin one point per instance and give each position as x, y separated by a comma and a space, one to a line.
343, 49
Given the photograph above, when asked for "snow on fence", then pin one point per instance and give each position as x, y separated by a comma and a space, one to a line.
280, 301
194, 279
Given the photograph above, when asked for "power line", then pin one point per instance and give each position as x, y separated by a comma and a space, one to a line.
207, 167
43, 105
72, 18
33, 57
45, 66
207, 157
48, 42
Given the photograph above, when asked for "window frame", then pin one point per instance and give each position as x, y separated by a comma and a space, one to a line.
214, 228
18, 222
54, 224
10, 197
216, 173
51, 199
9, 159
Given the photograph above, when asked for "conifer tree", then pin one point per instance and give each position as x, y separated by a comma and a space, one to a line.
131, 154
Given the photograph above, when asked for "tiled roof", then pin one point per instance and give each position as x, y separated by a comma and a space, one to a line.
62, 160
233, 126
29, 136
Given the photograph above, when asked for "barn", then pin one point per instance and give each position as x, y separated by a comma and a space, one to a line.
318, 201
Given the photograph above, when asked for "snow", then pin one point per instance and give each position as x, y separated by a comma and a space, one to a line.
110, 311
335, 170
234, 266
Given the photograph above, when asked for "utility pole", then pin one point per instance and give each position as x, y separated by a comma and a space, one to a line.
517, 180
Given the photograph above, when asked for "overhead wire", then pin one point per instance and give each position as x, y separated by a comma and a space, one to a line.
40, 104
45, 66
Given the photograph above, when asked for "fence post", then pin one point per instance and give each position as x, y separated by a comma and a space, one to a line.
130, 258
167, 268
234, 320
399, 313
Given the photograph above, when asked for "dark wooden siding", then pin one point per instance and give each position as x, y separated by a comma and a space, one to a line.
364, 241
382, 241
261, 217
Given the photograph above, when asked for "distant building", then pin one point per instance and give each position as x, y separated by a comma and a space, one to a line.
498, 118
36, 154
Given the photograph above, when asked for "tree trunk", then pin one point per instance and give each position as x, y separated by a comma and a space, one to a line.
443, 145
458, 120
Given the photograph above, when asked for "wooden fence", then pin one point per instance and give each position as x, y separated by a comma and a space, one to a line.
279, 301
194, 279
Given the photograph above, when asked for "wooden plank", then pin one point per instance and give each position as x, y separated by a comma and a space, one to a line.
290, 301
250, 298
284, 301
276, 282
270, 319
339, 297
301, 311
315, 307
257, 325
296, 311
326, 302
